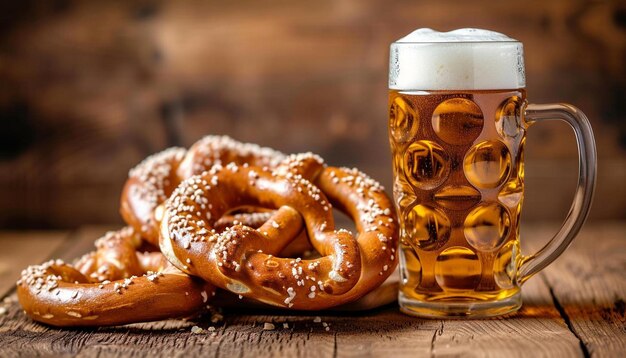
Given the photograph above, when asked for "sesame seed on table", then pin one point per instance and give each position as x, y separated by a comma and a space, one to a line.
574, 308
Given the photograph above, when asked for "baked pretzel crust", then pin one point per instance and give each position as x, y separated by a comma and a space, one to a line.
114, 285
244, 260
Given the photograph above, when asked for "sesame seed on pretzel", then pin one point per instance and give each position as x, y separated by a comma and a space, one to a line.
152, 181
112, 286
245, 260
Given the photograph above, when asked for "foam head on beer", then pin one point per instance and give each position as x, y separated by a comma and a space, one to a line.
464, 59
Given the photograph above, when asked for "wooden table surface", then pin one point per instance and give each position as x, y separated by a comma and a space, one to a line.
573, 308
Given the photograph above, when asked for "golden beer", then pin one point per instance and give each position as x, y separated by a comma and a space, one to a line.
458, 185
458, 118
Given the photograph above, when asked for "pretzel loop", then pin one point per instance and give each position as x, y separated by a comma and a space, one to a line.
109, 287
153, 180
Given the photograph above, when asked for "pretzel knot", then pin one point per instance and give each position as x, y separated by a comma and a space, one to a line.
112, 286
243, 260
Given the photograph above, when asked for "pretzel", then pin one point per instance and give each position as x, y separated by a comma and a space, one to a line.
114, 285
152, 181
243, 260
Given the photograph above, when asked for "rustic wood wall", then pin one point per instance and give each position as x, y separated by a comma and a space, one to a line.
87, 89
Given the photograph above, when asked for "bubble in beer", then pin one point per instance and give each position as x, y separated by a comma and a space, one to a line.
427, 228
508, 119
457, 268
511, 192
403, 120
487, 226
457, 121
505, 265
487, 164
411, 272
457, 197
426, 164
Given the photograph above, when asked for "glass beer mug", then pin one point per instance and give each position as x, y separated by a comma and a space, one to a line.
458, 118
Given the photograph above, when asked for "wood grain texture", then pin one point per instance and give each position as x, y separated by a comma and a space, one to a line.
574, 308
588, 284
19, 249
384, 332
538, 326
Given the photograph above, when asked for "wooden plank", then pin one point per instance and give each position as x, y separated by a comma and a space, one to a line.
589, 285
383, 331
538, 328
238, 335
380, 333
20, 249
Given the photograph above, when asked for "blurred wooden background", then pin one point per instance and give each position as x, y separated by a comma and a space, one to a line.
87, 89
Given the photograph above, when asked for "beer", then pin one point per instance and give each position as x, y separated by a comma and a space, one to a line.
457, 132
458, 184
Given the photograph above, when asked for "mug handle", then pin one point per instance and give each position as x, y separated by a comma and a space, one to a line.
587, 164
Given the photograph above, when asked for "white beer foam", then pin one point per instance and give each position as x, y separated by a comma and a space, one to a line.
460, 35
464, 59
